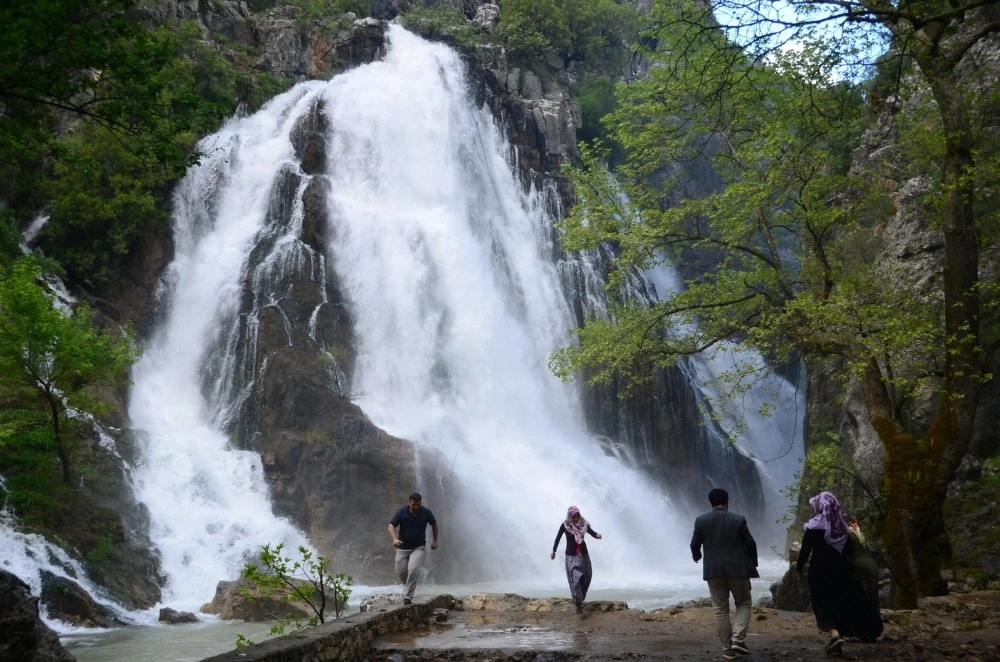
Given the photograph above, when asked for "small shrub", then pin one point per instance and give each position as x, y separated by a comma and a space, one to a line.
442, 23
102, 550
308, 580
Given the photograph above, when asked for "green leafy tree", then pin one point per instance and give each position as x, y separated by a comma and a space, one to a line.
598, 32
71, 63
51, 359
795, 269
533, 30
89, 59
329, 12
944, 40
33, 484
596, 96
440, 22
103, 195
308, 580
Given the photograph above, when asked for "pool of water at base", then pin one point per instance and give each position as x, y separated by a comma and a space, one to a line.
162, 643
211, 636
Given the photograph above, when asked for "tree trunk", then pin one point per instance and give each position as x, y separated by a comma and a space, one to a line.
913, 532
61, 448
917, 472
912, 526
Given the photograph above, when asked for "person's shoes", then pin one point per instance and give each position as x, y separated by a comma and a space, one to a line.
740, 647
407, 601
729, 654
835, 646
579, 609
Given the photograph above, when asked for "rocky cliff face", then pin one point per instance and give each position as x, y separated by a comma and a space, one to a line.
25, 636
913, 246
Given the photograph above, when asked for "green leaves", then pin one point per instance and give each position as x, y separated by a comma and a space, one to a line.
596, 31
51, 358
103, 196
441, 22
308, 580
88, 59
99, 113
776, 236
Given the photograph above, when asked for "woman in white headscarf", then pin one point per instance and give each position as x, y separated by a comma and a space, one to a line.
578, 569
839, 601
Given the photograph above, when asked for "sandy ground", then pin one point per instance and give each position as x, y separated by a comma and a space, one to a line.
956, 627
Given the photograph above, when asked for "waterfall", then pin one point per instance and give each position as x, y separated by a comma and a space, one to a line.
762, 416
208, 503
457, 307
446, 263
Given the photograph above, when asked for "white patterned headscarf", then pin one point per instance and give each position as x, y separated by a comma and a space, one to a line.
579, 527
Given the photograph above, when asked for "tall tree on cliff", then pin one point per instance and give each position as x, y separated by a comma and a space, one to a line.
51, 359
792, 232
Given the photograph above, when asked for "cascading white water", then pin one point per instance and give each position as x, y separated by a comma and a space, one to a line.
765, 420
28, 555
208, 503
446, 262
457, 306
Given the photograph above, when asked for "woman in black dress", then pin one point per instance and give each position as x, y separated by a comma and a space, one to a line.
839, 601
578, 569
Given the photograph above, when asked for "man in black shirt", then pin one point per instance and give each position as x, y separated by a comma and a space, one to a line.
412, 520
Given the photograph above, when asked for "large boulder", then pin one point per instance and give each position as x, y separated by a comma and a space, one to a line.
791, 592
174, 617
68, 601
233, 601
24, 637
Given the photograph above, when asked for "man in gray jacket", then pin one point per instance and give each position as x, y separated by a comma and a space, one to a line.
730, 562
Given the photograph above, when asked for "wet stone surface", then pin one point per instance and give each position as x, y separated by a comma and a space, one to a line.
553, 632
